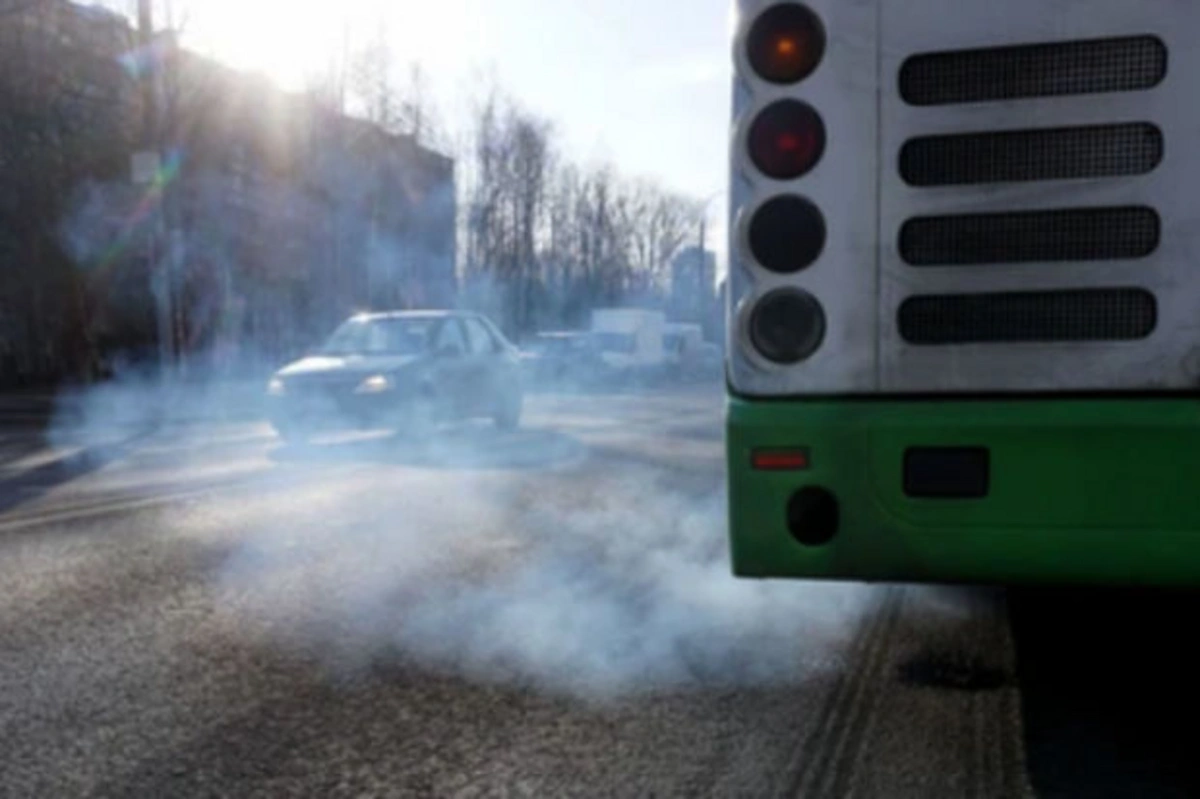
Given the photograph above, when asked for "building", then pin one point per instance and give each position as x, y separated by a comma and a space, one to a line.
272, 217
66, 107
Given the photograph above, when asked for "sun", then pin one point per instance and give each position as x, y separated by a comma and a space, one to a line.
292, 40
286, 40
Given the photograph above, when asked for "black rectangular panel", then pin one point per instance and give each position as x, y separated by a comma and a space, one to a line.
946, 472
1095, 66
1070, 234
1034, 316
1026, 155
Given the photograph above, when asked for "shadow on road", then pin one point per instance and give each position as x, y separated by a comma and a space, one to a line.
1110, 684
33, 483
465, 447
14, 448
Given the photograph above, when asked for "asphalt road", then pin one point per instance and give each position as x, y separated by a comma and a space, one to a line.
201, 611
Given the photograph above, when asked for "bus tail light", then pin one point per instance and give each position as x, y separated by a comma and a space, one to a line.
786, 234
786, 326
786, 139
785, 44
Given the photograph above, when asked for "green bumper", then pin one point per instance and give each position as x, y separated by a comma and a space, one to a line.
1080, 491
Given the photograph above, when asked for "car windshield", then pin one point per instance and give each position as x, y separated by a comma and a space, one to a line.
394, 336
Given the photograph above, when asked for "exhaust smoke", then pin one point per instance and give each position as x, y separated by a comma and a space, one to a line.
570, 581
532, 557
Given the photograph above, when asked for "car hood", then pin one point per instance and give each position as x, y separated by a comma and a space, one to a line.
332, 365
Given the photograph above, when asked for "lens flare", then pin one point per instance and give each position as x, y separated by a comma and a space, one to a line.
152, 199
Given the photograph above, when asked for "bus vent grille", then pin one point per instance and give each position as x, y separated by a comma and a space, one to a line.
1045, 316
1083, 234
1048, 154
1035, 70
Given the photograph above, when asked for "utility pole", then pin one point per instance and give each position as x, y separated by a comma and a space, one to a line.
702, 261
704, 288
147, 169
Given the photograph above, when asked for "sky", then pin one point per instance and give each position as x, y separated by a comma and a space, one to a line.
642, 84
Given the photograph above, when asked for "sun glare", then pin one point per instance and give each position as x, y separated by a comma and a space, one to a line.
284, 40
291, 40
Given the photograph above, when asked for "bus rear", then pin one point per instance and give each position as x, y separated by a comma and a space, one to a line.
964, 294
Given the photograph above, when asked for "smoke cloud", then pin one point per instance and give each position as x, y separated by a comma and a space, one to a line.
588, 585
525, 558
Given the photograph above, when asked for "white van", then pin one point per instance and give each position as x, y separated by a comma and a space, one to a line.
629, 339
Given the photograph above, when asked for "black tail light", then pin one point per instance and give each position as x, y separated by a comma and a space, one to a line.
786, 234
787, 326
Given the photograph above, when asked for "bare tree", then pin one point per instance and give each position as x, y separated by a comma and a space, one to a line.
418, 115
657, 223
328, 86
373, 81
327, 89
512, 153
550, 239
398, 104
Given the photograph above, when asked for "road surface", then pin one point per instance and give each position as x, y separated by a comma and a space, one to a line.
199, 610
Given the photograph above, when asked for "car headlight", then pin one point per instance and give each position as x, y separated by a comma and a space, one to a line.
276, 387
375, 384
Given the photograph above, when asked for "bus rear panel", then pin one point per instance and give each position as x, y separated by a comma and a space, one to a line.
964, 303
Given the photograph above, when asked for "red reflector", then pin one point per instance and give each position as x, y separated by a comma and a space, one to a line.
779, 460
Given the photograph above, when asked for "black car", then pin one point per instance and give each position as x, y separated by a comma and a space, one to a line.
404, 370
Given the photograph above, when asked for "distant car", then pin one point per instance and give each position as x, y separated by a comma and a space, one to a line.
405, 370
563, 358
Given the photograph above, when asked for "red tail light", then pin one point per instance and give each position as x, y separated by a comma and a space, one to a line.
779, 460
786, 139
785, 43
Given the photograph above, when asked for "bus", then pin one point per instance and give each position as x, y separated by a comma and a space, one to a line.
964, 292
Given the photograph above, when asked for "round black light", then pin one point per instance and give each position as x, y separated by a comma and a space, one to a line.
786, 234
787, 326
785, 43
786, 139
813, 516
